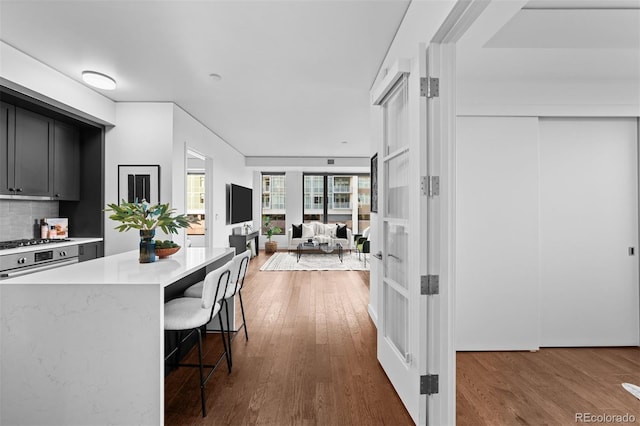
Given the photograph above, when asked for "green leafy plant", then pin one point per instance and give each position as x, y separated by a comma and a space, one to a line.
145, 217
270, 229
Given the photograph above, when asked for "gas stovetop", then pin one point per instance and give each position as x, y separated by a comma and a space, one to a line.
27, 243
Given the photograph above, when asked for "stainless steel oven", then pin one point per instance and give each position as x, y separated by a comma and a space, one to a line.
35, 257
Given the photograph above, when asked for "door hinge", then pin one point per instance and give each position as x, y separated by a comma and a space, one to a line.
430, 87
429, 285
434, 186
424, 185
429, 384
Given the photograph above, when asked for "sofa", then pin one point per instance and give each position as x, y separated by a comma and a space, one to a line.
320, 232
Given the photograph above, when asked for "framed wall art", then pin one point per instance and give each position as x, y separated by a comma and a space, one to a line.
374, 183
139, 182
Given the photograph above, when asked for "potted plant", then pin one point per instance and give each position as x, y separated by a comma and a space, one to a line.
147, 218
270, 246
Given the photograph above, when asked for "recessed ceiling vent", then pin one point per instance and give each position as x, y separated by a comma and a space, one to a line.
331, 161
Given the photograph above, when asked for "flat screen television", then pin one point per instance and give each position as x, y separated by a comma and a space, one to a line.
240, 204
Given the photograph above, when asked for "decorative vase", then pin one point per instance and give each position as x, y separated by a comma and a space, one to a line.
147, 246
270, 247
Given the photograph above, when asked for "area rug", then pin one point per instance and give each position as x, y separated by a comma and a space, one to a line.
282, 261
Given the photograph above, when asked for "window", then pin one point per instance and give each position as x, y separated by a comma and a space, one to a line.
195, 203
364, 202
313, 187
337, 199
274, 201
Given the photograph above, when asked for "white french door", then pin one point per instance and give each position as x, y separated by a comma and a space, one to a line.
401, 312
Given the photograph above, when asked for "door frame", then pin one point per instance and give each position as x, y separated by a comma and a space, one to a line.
439, 255
208, 192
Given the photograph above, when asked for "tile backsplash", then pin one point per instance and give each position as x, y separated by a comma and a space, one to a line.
17, 217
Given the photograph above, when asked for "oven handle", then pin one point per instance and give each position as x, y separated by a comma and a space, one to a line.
20, 272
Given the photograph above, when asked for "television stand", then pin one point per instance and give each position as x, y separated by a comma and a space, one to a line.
239, 241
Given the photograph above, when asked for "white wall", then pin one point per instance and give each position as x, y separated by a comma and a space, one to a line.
564, 98
375, 224
497, 259
143, 135
228, 167
28, 73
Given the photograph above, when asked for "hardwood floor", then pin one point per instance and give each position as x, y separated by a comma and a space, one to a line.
547, 387
310, 360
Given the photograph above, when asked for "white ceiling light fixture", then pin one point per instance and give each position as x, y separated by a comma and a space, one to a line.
99, 80
215, 76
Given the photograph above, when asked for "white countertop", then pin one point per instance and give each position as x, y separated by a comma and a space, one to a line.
39, 247
124, 268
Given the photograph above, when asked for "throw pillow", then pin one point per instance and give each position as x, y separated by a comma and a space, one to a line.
329, 231
297, 231
307, 231
341, 231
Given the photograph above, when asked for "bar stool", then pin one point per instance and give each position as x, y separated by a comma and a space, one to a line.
236, 281
191, 314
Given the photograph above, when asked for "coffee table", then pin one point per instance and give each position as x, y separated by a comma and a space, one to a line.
315, 247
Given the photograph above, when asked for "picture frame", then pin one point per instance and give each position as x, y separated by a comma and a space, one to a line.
374, 183
138, 182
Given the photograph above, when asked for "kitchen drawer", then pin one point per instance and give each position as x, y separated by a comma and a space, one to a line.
90, 251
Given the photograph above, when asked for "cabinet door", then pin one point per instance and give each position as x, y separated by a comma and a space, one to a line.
33, 155
7, 140
66, 162
90, 251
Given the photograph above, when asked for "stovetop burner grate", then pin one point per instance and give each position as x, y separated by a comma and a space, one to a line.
27, 242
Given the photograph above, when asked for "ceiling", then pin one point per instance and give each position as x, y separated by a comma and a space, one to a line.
296, 75
565, 40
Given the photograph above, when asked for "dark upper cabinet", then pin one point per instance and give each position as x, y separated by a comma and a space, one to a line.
33, 154
66, 162
7, 139
39, 156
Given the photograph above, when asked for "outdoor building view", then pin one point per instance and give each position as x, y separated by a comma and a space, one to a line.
274, 201
195, 202
327, 198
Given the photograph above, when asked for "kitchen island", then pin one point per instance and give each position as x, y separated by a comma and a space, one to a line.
84, 343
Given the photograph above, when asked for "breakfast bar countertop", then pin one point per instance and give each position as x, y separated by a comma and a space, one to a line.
84, 343
124, 268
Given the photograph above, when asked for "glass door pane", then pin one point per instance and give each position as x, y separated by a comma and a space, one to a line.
395, 223
313, 188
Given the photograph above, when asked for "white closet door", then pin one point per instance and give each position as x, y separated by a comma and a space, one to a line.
497, 245
588, 221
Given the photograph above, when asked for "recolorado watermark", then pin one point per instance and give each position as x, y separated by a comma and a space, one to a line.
604, 418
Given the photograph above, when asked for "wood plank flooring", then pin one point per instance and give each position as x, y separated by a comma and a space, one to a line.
547, 387
310, 359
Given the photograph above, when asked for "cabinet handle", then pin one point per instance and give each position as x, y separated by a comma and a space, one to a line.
11, 189
57, 195
18, 189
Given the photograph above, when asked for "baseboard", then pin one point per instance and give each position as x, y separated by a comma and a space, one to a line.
373, 315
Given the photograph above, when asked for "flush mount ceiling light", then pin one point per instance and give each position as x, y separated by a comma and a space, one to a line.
99, 80
215, 76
